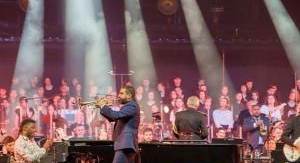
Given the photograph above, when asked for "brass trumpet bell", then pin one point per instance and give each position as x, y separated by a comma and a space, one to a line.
81, 103
99, 102
263, 131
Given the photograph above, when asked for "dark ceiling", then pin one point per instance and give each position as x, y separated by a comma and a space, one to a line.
240, 18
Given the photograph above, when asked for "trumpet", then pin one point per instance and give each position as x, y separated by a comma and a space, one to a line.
263, 130
100, 102
262, 127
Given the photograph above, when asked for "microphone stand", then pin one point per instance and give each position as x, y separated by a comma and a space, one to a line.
210, 136
270, 129
161, 121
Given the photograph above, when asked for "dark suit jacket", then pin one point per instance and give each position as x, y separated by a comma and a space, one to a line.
127, 120
253, 133
291, 131
191, 121
243, 115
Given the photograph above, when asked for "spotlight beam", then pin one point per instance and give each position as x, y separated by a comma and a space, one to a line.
207, 58
88, 44
139, 53
30, 60
286, 30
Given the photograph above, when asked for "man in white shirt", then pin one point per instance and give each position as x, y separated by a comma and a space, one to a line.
26, 149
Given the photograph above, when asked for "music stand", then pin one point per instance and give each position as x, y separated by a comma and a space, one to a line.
113, 73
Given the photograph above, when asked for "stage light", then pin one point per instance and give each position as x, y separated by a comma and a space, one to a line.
168, 7
23, 4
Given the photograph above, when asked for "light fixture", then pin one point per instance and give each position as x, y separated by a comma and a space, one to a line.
23, 4
168, 7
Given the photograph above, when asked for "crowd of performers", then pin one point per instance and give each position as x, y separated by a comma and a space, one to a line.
58, 111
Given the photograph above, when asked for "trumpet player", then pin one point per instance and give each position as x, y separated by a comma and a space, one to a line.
256, 128
127, 119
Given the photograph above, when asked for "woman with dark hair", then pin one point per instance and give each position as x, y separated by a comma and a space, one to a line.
271, 108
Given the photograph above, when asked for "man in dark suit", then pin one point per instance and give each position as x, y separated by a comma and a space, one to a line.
190, 124
126, 120
252, 127
292, 130
245, 113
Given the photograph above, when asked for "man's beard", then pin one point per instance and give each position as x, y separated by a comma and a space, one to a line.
123, 101
255, 115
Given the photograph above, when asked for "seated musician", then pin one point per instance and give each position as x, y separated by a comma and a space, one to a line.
274, 138
26, 150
